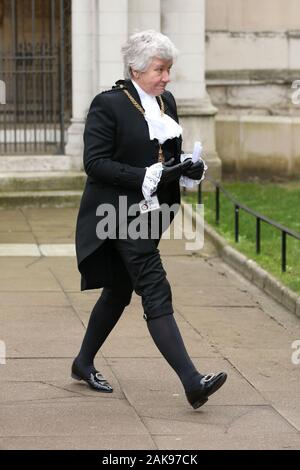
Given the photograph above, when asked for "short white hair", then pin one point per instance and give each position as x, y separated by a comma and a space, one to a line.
142, 47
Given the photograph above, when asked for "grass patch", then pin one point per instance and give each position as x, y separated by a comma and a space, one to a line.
281, 203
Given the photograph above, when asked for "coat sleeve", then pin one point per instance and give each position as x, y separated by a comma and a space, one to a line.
99, 147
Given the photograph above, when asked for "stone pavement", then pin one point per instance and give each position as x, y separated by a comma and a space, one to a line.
227, 324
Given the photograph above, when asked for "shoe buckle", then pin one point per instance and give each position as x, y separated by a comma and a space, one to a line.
100, 377
207, 378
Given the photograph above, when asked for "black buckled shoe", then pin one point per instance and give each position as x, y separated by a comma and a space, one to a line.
95, 380
208, 384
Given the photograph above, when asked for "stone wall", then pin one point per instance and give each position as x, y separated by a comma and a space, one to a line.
260, 146
252, 55
252, 60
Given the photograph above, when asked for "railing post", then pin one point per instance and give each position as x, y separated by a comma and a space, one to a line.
14, 64
283, 252
200, 193
257, 235
236, 223
217, 205
259, 218
61, 81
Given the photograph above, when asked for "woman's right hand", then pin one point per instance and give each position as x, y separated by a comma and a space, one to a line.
159, 174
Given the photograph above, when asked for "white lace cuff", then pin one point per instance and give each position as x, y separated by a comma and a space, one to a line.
151, 180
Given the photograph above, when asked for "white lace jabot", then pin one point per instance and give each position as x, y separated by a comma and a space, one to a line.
160, 127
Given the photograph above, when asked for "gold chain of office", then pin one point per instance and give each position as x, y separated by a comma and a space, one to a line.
162, 112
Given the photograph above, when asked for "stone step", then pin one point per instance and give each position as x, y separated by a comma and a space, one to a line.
40, 163
14, 199
11, 182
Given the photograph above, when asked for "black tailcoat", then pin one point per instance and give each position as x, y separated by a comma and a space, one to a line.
117, 148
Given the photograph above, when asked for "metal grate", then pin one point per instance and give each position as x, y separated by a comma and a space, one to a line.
35, 64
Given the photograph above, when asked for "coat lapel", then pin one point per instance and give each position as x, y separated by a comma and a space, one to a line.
133, 91
167, 110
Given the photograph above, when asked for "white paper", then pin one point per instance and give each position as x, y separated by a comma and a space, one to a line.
195, 156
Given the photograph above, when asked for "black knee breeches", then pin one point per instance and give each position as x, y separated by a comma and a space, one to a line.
142, 271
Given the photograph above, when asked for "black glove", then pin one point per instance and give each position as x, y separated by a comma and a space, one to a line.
194, 171
173, 172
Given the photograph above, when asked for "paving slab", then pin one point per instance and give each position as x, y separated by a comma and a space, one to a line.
17, 237
54, 375
218, 440
30, 329
57, 237
195, 271
252, 418
33, 298
17, 249
50, 219
267, 369
26, 274
25, 392
286, 404
71, 417
13, 221
64, 272
173, 248
83, 442
226, 323
210, 296
148, 374
238, 327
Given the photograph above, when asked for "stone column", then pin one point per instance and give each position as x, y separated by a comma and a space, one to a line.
184, 24
82, 70
99, 29
143, 14
111, 35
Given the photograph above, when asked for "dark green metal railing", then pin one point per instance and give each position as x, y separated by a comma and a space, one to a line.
237, 206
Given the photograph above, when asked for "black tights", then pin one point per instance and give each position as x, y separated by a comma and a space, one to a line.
167, 337
164, 332
104, 316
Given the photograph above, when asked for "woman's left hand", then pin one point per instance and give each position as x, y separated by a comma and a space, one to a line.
173, 172
195, 171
